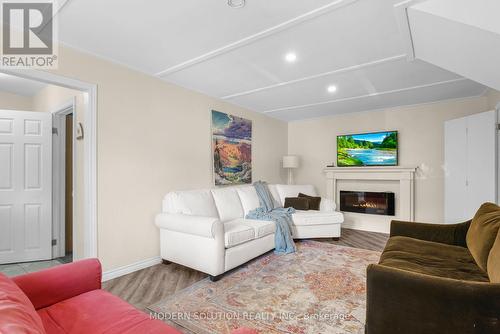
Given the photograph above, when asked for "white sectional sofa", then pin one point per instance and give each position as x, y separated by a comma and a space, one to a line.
206, 229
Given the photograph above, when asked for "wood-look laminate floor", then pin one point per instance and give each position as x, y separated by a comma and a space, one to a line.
148, 286
360, 239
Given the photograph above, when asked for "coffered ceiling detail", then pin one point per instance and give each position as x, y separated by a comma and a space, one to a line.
343, 56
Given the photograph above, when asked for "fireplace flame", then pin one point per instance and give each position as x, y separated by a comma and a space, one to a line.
366, 205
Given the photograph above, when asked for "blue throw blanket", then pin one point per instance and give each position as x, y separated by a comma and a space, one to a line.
280, 216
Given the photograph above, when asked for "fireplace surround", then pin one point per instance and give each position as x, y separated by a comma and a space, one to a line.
369, 202
400, 180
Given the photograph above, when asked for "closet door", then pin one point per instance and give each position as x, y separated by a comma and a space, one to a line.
481, 160
455, 148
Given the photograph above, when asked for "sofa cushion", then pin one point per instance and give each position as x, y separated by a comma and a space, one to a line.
286, 190
482, 233
236, 232
249, 198
298, 203
314, 201
431, 258
98, 312
494, 261
316, 218
228, 203
17, 314
261, 227
192, 202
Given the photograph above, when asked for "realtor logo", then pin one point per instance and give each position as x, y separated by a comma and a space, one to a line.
28, 34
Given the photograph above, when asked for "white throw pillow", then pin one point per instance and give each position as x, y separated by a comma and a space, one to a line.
228, 203
285, 190
249, 198
327, 205
195, 202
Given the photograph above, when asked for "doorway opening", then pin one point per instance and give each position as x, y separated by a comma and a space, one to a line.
63, 180
47, 207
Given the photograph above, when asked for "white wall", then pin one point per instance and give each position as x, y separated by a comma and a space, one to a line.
15, 102
154, 137
421, 133
493, 98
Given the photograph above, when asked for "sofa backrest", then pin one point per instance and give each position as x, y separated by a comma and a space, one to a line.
273, 188
482, 233
227, 203
249, 198
191, 202
285, 190
493, 264
17, 313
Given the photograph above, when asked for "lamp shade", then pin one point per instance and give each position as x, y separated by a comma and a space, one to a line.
290, 161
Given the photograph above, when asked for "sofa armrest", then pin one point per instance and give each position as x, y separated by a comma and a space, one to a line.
400, 301
201, 226
451, 234
53, 285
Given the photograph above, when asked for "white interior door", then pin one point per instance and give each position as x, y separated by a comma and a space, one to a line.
481, 160
25, 186
455, 157
470, 165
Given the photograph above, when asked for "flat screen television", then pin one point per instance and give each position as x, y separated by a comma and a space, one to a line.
368, 149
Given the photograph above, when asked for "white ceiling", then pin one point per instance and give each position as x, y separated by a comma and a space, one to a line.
458, 35
238, 54
19, 86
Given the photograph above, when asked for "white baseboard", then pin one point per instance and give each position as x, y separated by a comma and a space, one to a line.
380, 228
130, 268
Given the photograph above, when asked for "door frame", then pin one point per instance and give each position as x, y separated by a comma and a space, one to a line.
90, 147
497, 150
59, 175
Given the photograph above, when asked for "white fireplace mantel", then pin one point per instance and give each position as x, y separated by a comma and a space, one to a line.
404, 175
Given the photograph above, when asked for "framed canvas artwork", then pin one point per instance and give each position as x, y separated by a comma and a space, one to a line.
231, 148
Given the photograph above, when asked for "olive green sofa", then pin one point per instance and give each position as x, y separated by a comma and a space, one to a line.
437, 278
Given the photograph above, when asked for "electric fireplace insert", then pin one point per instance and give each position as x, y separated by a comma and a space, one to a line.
375, 203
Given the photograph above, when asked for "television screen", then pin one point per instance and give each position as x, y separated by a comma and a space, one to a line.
368, 149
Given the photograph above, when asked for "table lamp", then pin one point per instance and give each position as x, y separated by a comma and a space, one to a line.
290, 162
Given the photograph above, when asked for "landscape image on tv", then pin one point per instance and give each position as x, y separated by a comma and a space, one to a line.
368, 149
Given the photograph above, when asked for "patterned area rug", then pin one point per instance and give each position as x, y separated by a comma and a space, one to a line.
319, 289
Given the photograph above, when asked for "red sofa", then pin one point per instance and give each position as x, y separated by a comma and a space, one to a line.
68, 299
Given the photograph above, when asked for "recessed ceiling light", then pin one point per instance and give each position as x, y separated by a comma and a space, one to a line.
332, 89
290, 57
236, 3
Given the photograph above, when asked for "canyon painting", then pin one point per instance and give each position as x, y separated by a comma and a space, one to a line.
231, 148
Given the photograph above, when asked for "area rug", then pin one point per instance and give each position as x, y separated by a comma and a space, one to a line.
319, 289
